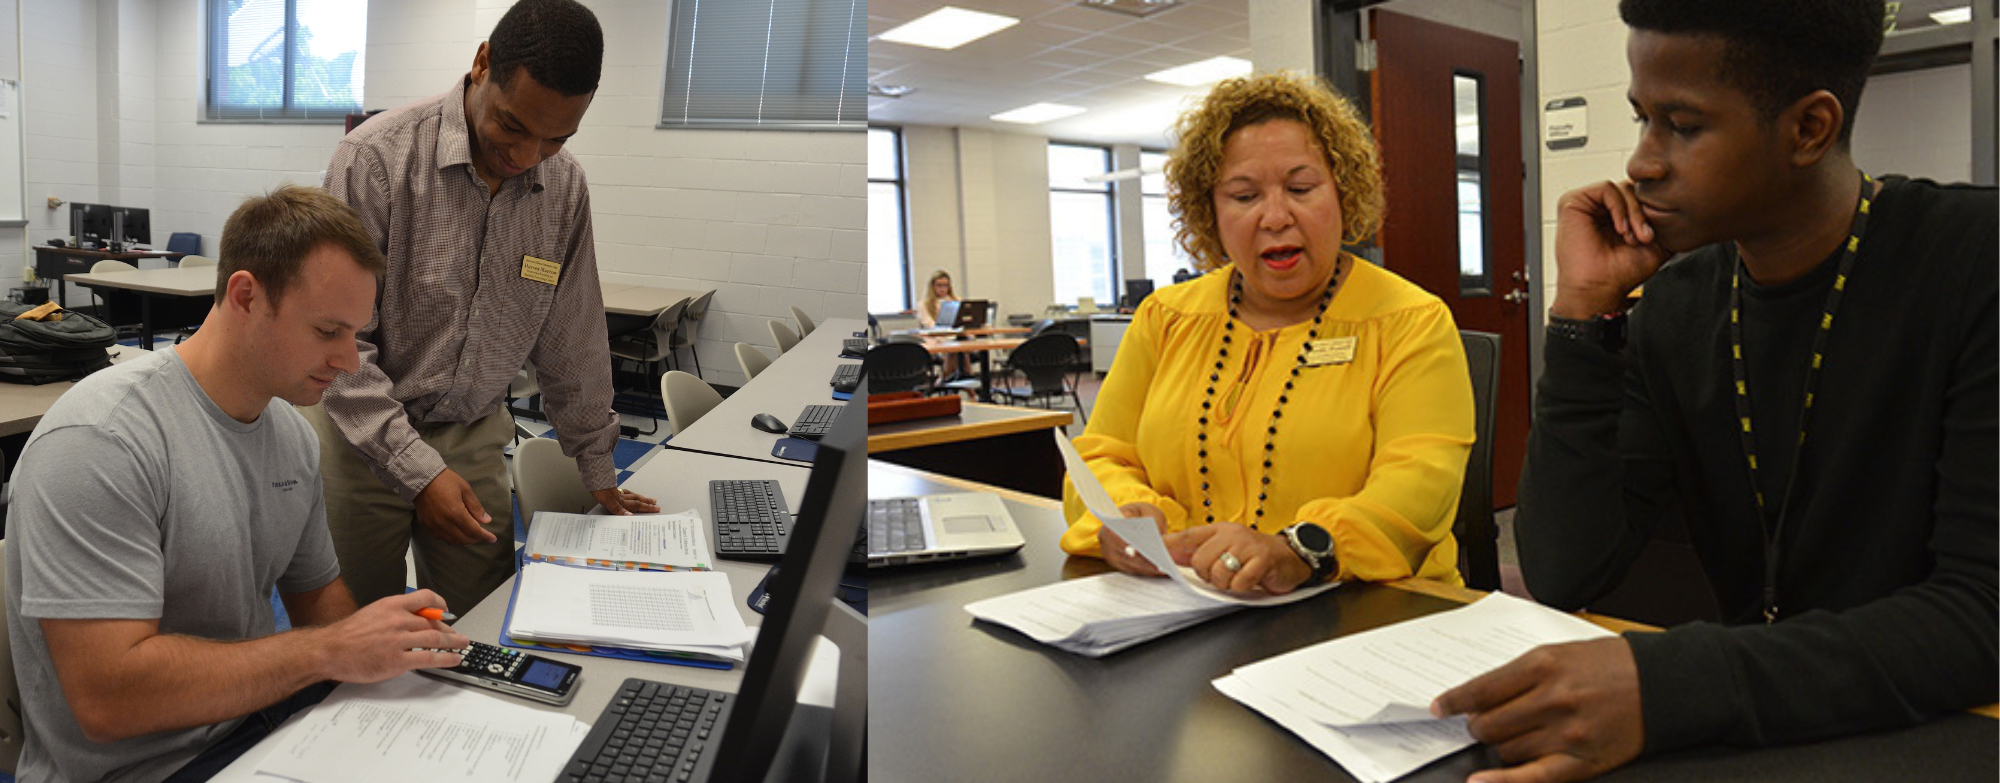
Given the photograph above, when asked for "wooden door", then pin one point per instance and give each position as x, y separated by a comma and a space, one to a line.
1454, 195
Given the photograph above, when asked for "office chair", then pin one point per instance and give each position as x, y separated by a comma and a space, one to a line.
546, 480
805, 323
184, 242
120, 309
525, 386
897, 366
1046, 361
10, 690
692, 318
190, 262
783, 335
1478, 537
752, 359
654, 346
687, 399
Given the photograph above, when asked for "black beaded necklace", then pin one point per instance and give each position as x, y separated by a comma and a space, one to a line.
1215, 376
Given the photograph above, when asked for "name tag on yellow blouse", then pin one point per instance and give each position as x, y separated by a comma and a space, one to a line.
1332, 350
540, 270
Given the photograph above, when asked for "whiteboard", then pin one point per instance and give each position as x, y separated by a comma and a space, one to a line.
10, 154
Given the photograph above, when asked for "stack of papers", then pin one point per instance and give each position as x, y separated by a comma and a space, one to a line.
1365, 699
415, 729
689, 612
655, 542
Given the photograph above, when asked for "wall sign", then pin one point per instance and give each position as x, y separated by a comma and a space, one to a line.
1565, 124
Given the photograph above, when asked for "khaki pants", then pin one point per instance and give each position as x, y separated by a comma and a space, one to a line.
372, 526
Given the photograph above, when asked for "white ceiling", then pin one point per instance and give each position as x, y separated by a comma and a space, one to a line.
1061, 52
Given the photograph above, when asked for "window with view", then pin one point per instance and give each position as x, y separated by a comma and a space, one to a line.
888, 264
285, 59
1163, 254
767, 64
1080, 223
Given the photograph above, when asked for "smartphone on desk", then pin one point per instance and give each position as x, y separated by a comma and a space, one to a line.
512, 672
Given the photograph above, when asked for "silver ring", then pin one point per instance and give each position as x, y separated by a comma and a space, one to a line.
1230, 562
1130, 552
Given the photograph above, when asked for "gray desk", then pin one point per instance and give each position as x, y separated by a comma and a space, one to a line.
22, 405
793, 381
159, 290
640, 300
988, 704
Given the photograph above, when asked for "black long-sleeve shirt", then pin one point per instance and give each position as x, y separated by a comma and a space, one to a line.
1886, 586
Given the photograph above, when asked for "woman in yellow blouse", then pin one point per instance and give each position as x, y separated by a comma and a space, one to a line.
1295, 414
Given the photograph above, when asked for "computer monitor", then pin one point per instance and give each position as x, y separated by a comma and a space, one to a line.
90, 222
132, 225
801, 594
1136, 291
971, 314
947, 313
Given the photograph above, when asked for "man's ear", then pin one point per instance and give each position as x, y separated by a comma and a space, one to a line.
242, 293
481, 65
1812, 126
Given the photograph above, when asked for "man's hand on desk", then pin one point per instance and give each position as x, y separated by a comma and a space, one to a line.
387, 638
451, 512
1562, 712
623, 502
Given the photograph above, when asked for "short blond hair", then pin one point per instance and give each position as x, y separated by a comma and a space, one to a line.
1235, 104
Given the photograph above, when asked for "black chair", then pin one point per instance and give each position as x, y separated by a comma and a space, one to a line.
897, 366
1478, 537
1048, 361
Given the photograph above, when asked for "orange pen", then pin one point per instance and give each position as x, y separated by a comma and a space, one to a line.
437, 614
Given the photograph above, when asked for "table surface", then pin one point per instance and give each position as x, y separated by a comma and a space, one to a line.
798, 378
22, 405
178, 281
974, 420
991, 704
943, 345
626, 299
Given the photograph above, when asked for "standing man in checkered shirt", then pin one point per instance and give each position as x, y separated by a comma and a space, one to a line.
485, 220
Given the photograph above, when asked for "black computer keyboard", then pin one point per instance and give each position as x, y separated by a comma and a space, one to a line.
751, 519
815, 421
651, 731
846, 377
895, 525
854, 347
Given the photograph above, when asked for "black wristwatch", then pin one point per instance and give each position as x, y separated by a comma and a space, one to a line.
1606, 331
1315, 546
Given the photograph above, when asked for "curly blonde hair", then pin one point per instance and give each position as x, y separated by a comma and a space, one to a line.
1235, 104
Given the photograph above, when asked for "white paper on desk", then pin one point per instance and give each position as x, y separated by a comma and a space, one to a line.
627, 608
1099, 615
416, 729
1372, 690
665, 540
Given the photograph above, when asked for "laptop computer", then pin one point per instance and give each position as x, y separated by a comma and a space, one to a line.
948, 314
939, 527
736, 737
970, 314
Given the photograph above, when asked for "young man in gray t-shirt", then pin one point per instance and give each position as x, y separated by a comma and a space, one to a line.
158, 503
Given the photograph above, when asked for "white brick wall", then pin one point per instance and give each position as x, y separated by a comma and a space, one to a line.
770, 219
1581, 48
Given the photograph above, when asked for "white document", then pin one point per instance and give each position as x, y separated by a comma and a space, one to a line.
1365, 699
413, 729
643, 609
1099, 615
656, 541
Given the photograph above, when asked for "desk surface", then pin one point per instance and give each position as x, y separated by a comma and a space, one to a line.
625, 299
793, 381
178, 281
127, 255
975, 420
945, 345
22, 405
990, 704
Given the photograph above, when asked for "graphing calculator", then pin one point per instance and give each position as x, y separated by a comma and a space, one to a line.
513, 673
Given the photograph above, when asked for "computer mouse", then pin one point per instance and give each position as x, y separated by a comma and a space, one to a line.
767, 423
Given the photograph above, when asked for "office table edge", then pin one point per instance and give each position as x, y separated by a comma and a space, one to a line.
931, 436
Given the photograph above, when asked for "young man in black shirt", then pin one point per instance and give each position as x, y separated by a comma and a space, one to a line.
1812, 389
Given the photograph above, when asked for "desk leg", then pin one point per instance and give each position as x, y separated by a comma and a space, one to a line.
985, 376
146, 321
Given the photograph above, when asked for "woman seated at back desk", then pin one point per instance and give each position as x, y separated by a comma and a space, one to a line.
937, 292
1295, 414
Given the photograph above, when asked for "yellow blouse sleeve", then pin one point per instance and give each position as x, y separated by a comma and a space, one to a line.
1109, 443
1399, 525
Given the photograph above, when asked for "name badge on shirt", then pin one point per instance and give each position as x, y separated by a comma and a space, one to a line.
1332, 350
540, 270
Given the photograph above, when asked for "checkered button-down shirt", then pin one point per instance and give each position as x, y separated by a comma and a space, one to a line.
456, 318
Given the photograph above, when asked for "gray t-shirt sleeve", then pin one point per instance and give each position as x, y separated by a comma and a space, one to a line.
93, 549
313, 564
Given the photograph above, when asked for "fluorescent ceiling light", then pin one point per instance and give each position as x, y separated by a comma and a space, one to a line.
1959, 15
1208, 71
949, 28
1038, 113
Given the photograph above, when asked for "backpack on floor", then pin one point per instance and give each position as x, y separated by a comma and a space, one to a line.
38, 352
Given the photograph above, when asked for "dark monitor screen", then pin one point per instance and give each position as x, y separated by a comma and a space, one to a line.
1136, 291
90, 222
138, 225
971, 314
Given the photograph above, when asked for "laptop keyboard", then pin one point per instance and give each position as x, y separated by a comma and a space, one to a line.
846, 377
751, 519
895, 525
649, 731
815, 421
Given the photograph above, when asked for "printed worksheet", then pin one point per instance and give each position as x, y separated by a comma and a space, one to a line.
411, 728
